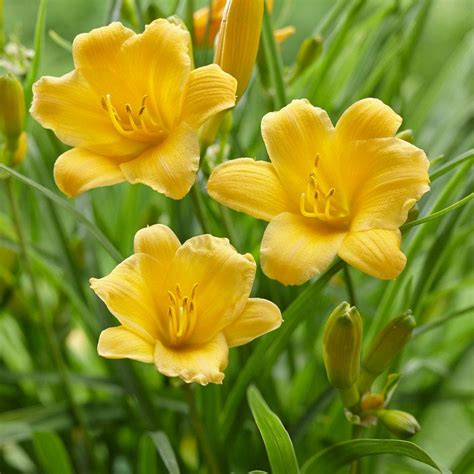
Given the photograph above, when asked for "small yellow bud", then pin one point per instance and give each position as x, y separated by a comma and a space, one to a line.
386, 346
238, 40
398, 422
342, 342
21, 149
12, 111
372, 401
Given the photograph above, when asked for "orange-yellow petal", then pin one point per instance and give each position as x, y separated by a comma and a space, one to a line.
367, 118
250, 186
375, 252
258, 318
157, 63
383, 180
72, 109
294, 136
159, 241
128, 295
169, 168
296, 248
224, 280
209, 90
201, 364
201, 18
79, 170
121, 343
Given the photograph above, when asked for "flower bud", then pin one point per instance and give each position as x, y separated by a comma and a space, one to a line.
406, 135
386, 346
238, 40
342, 341
309, 52
400, 423
282, 34
12, 111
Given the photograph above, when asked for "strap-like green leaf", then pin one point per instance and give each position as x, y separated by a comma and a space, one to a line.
147, 456
277, 440
331, 459
51, 453
165, 449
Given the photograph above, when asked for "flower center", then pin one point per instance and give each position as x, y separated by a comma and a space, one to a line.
320, 200
138, 125
182, 314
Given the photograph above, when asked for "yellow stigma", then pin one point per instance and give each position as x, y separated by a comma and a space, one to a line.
140, 126
182, 314
318, 199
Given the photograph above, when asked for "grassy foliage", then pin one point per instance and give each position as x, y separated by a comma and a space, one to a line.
59, 399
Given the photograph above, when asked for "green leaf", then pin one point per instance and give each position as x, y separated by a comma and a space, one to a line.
165, 449
51, 453
147, 457
96, 232
281, 453
38, 45
329, 460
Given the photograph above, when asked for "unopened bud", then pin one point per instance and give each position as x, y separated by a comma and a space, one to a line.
342, 342
129, 12
309, 52
386, 346
372, 401
238, 40
12, 111
406, 135
400, 423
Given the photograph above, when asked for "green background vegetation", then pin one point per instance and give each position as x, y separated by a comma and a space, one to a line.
415, 55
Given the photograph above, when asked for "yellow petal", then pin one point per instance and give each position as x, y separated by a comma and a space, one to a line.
169, 168
383, 179
368, 118
127, 293
201, 364
224, 278
79, 170
249, 186
157, 63
72, 109
159, 241
209, 90
238, 40
283, 34
258, 318
375, 252
296, 248
121, 343
200, 19
294, 136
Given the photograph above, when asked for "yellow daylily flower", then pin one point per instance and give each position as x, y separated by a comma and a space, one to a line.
201, 18
182, 306
328, 190
131, 109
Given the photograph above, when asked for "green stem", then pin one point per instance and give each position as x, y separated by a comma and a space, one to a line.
468, 156
2, 28
274, 60
200, 431
441, 321
440, 213
197, 202
349, 286
51, 339
356, 432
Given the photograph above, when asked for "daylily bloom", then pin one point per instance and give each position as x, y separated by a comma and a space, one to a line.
131, 108
182, 306
201, 17
328, 191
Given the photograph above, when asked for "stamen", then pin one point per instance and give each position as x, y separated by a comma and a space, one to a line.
182, 315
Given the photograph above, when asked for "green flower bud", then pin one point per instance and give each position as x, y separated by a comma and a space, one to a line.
12, 111
406, 135
386, 346
310, 50
342, 342
398, 422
